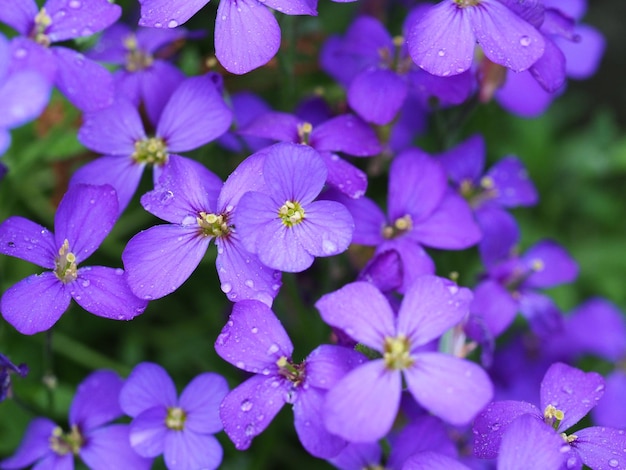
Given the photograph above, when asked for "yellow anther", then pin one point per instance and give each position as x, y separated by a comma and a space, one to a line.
487, 182
175, 418
397, 353
151, 150
63, 444
537, 265
213, 225
291, 213
65, 268
304, 132
398, 41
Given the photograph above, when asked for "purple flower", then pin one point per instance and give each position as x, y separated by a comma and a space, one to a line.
254, 340
83, 219
567, 395
363, 406
6, 369
247, 34
101, 446
179, 428
194, 115
284, 225
88, 85
199, 209
442, 41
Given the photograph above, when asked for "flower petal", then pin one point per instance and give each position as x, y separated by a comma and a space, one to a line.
23, 239
327, 364
186, 450
18, 15
148, 431
326, 230
253, 339
377, 95
201, 400
23, 95
347, 134
449, 387
361, 311
35, 445
164, 13
466, 161
35, 303
349, 410
601, 447
73, 19
109, 447
551, 265
344, 176
96, 400
147, 386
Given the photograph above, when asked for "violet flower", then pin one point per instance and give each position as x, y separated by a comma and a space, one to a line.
199, 209
567, 395
254, 340
247, 34
442, 41
6, 369
363, 406
179, 428
100, 445
88, 85
194, 115
284, 225
85, 216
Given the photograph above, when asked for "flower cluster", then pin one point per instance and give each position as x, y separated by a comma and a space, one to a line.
327, 219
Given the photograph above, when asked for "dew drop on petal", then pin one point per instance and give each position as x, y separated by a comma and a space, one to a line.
85, 283
613, 463
240, 364
329, 247
524, 41
567, 389
571, 462
119, 271
74, 4
166, 197
254, 330
272, 349
226, 287
453, 289
249, 430
172, 24
441, 53
246, 405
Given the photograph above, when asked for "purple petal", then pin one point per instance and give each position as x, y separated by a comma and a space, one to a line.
466, 161
23, 95
549, 70
201, 400
35, 445
185, 188
72, 18
347, 134
27, 55
425, 433
148, 431
148, 386
113, 130
109, 447
432, 461
105, 292
415, 262
165, 13
186, 450
23, 239
18, 15
294, 172
543, 314
248, 176
84, 218
361, 311
442, 42
431, 306
601, 447
494, 305
294, 7
417, 184
551, 265
512, 184
87, 84
274, 125
358, 456
327, 364
349, 410
120, 172
451, 226
248, 409
449, 387
35, 303
326, 230
572, 391
500, 234
307, 412
242, 275
611, 409
158, 260
493, 421
96, 400
433, 90
383, 270
344, 176
253, 339
247, 106
369, 219
156, 85
504, 37
522, 95
54, 461
247, 35
529, 443
195, 115
377, 95
583, 57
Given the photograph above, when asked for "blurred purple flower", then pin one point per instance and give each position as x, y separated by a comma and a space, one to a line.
83, 219
100, 445
179, 428
363, 406
6, 369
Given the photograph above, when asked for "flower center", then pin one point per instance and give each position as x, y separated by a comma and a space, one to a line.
291, 213
400, 225
175, 418
397, 354
63, 444
213, 225
136, 59
65, 268
552, 416
477, 195
151, 150
42, 21
292, 372
466, 3
304, 132
395, 59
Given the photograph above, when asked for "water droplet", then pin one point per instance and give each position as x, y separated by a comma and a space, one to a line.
166, 197
74, 4
524, 41
189, 220
246, 405
275, 286
147, 297
249, 430
441, 53
254, 330
229, 208
272, 349
158, 25
265, 371
260, 417
453, 289
567, 389
226, 287
240, 364
599, 388
85, 283
172, 24
613, 463
249, 283
11, 245
329, 247
571, 462
494, 427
